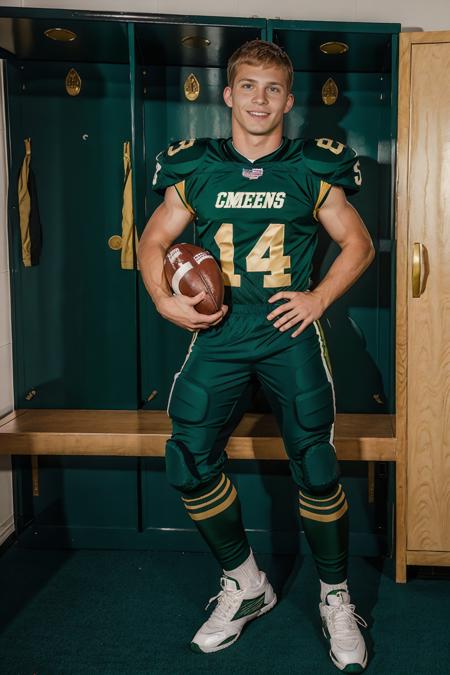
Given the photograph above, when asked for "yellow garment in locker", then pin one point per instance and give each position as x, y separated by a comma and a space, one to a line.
129, 233
25, 204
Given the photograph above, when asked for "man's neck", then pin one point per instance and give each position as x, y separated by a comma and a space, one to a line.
253, 147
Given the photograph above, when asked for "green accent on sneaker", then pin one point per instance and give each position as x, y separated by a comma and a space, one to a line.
249, 606
195, 648
350, 667
228, 639
353, 668
336, 591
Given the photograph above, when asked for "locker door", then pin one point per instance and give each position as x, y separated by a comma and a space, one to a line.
356, 63
167, 56
75, 312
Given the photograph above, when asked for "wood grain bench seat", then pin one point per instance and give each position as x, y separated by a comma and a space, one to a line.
144, 433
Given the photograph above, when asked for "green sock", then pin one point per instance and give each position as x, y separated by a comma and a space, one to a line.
325, 522
216, 511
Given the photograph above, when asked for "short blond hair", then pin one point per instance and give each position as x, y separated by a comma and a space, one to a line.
260, 52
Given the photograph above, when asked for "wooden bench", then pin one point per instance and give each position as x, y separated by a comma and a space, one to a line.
144, 433
364, 437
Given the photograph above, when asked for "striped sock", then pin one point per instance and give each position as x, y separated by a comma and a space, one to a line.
325, 522
216, 511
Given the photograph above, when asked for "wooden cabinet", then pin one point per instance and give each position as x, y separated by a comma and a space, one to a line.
423, 302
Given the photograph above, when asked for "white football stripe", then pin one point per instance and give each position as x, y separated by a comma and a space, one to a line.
194, 337
329, 377
179, 274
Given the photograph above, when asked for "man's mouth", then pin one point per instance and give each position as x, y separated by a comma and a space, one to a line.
258, 114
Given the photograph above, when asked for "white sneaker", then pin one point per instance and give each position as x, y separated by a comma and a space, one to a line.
339, 624
235, 607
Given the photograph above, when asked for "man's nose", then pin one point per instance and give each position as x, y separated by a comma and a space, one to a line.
260, 95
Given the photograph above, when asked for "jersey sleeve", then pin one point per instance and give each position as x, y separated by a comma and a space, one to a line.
177, 164
334, 163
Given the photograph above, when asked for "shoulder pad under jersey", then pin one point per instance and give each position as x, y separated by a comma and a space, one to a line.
334, 162
179, 161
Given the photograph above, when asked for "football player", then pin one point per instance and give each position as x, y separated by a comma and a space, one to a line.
258, 200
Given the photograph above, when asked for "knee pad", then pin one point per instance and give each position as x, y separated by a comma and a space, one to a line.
315, 415
181, 469
321, 471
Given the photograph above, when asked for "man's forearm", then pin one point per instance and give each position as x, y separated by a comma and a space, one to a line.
350, 264
151, 263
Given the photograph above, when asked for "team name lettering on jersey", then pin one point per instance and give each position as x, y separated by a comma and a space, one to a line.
250, 200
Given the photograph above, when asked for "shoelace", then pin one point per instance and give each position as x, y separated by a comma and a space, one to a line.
226, 601
343, 618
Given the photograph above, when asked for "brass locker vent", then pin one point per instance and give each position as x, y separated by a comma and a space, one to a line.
195, 41
60, 34
334, 48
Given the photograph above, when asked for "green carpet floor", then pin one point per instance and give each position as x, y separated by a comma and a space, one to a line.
135, 612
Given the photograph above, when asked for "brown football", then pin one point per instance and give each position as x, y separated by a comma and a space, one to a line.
189, 270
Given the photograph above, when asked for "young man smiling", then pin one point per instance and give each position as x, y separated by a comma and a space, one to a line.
258, 199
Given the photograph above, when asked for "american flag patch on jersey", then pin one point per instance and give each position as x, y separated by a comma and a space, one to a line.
252, 174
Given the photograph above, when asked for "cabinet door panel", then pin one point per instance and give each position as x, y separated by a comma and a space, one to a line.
428, 387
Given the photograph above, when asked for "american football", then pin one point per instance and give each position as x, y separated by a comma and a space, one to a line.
189, 270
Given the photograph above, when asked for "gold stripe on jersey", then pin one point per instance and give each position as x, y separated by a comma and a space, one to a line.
323, 193
181, 189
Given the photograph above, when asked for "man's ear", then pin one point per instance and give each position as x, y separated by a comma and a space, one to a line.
289, 103
227, 97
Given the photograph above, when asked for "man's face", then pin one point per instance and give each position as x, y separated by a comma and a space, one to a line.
259, 98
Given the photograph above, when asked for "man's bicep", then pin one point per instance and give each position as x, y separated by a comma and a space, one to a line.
169, 220
340, 219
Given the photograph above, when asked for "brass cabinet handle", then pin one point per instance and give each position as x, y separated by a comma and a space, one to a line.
418, 270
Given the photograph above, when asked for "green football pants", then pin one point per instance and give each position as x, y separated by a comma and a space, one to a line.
295, 376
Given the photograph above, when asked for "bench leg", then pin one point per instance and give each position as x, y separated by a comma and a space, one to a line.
400, 529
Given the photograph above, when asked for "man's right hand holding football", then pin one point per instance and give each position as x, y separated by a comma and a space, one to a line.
180, 310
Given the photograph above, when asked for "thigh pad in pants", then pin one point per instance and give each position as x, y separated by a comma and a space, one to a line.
187, 408
315, 414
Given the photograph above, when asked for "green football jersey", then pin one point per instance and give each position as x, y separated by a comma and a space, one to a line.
258, 219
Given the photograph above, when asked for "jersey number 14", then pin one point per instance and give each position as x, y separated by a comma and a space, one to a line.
276, 264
